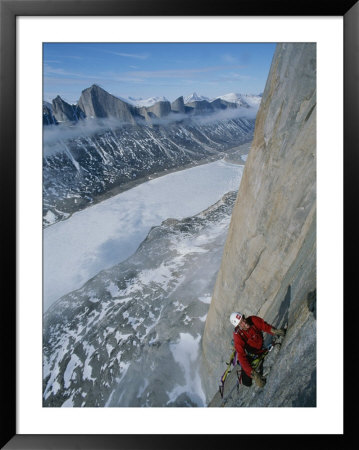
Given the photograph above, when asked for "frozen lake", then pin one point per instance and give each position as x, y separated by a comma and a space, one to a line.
107, 233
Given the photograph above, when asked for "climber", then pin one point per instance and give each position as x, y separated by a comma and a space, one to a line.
248, 342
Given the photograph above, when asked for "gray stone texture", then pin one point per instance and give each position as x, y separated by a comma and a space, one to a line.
160, 109
178, 105
95, 102
63, 111
269, 260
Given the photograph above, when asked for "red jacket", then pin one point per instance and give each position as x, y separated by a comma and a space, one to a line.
250, 340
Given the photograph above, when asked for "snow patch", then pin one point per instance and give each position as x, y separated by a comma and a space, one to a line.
206, 299
71, 366
185, 353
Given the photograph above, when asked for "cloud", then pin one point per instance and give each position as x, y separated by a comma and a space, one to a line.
130, 55
73, 57
67, 81
205, 119
179, 73
229, 58
55, 135
227, 114
48, 70
232, 76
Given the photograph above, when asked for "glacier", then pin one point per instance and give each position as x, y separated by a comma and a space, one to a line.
107, 233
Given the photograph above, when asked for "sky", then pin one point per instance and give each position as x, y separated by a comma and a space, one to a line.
144, 70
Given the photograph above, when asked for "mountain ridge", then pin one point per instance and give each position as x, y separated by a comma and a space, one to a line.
95, 102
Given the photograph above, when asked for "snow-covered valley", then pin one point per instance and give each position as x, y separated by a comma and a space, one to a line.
105, 234
130, 336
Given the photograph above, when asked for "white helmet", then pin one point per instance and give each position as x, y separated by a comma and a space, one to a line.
235, 318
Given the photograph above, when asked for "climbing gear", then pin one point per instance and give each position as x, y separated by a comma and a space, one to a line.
232, 361
235, 318
256, 361
279, 331
259, 358
260, 381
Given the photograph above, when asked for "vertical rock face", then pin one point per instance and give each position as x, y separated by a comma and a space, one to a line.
160, 109
269, 260
96, 102
63, 111
222, 104
178, 105
199, 107
47, 115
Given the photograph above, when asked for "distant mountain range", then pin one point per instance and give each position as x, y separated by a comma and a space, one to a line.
95, 102
104, 144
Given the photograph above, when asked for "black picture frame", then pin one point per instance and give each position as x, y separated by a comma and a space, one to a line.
9, 10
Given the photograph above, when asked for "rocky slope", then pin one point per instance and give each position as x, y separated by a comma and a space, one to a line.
269, 260
82, 164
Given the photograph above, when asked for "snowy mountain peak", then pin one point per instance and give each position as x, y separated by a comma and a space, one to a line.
231, 97
241, 100
146, 101
195, 98
246, 100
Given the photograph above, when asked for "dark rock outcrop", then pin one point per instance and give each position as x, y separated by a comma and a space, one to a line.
64, 112
47, 115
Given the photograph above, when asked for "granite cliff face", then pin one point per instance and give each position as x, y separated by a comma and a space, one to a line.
269, 260
178, 106
160, 109
96, 102
65, 112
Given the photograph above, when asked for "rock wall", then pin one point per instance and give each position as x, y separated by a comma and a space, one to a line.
96, 102
269, 260
178, 105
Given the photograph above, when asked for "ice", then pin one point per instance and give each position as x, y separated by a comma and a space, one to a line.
68, 403
107, 233
185, 352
